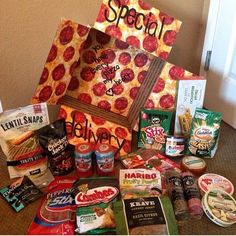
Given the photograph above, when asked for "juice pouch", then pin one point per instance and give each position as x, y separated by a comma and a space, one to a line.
154, 126
204, 133
95, 198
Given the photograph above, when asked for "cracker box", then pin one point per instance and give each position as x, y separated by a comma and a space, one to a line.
190, 96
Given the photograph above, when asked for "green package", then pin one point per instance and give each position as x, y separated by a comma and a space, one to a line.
154, 126
146, 216
204, 133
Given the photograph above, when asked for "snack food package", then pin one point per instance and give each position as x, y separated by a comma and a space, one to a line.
137, 183
161, 163
204, 133
95, 198
53, 140
146, 216
21, 193
190, 96
56, 213
154, 127
20, 144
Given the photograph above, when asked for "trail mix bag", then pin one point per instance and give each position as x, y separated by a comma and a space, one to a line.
54, 142
204, 134
153, 128
21, 193
56, 214
20, 144
95, 198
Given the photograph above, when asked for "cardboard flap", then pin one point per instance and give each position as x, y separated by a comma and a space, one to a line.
61, 62
138, 24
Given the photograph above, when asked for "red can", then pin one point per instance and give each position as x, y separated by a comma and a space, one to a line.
83, 159
105, 159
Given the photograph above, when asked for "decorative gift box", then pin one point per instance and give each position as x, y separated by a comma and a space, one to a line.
115, 68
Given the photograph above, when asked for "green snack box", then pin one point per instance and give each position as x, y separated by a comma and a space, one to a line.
204, 133
154, 126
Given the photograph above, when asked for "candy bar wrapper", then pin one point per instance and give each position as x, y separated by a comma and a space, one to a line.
190, 96
138, 24
82, 127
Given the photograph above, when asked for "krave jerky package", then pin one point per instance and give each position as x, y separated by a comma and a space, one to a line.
145, 216
56, 214
19, 143
21, 193
153, 127
204, 134
95, 198
60, 153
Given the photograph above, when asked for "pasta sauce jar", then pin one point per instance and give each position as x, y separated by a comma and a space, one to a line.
175, 146
105, 159
83, 159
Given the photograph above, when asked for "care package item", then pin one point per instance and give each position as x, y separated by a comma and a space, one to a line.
53, 140
145, 216
95, 198
19, 143
176, 193
21, 193
56, 213
204, 134
154, 127
137, 183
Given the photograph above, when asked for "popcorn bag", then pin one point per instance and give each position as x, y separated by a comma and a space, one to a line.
113, 69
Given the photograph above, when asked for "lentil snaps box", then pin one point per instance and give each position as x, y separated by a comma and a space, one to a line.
154, 126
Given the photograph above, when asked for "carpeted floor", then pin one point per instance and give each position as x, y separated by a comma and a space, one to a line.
224, 163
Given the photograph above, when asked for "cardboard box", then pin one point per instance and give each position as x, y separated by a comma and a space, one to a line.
190, 96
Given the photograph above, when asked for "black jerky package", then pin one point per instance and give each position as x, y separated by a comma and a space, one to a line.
60, 153
21, 193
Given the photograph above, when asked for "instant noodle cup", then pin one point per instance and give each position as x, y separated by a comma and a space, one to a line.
220, 207
213, 181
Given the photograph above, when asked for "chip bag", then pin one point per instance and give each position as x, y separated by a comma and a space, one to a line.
19, 143
204, 133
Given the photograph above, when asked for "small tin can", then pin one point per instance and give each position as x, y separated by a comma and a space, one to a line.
105, 159
175, 146
83, 159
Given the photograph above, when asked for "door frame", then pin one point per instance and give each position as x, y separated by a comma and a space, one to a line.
210, 32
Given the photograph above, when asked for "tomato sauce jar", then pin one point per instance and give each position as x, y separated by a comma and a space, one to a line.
83, 159
105, 159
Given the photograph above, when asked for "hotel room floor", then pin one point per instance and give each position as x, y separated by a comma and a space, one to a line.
224, 163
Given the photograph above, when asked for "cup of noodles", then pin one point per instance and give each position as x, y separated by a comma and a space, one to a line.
213, 181
105, 159
220, 207
83, 159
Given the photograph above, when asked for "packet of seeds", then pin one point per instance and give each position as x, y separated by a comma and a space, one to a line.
204, 133
154, 126
21, 193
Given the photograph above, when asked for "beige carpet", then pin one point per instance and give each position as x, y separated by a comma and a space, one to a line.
224, 163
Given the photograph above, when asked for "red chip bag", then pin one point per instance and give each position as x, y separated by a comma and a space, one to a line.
56, 214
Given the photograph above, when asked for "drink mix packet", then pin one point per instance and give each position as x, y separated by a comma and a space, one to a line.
153, 128
204, 133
